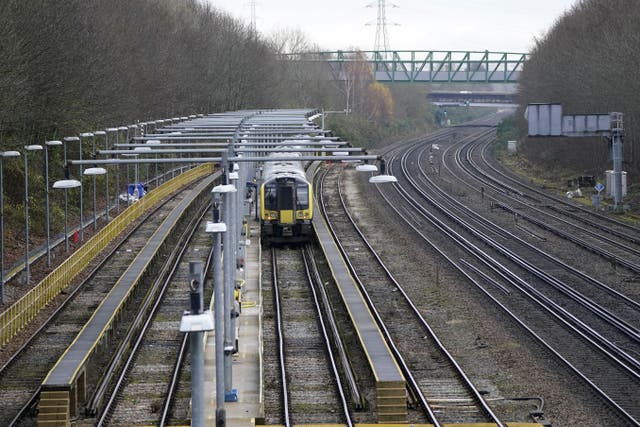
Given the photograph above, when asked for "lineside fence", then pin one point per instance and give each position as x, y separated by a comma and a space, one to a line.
20, 313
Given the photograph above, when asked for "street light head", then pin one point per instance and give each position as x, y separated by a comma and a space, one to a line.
123, 128
153, 142
11, 154
112, 129
139, 149
34, 147
216, 227
52, 143
71, 139
133, 126
226, 188
367, 168
99, 133
67, 183
95, 171
86, 135
380, 179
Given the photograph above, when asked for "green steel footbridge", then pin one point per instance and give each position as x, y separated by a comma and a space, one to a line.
424, 66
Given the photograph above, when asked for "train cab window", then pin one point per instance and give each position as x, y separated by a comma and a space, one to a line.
285, 198
270, 198
302, 197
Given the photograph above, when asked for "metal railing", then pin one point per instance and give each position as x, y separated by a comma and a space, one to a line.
20, 313
429, 66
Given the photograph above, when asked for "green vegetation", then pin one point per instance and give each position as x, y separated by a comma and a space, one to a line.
83, 65
587, 62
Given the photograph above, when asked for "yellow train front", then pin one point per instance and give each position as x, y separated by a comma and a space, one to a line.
286, 202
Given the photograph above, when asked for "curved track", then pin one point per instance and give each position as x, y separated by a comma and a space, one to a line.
596, 344
438, 383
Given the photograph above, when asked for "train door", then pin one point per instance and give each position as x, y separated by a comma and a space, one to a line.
286, 202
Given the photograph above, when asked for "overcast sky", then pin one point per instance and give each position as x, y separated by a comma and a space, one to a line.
495, 25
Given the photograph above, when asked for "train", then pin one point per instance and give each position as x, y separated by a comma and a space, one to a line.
286, 200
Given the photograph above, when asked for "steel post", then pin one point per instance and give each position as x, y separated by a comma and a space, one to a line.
46, 204
218, 289
229, 271
106, 181
81, 196
197, 347
1, 236
66, 201
26, 219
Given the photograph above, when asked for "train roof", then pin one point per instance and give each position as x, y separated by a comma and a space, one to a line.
284, 168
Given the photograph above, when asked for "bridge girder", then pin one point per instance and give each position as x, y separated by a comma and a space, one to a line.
427, 66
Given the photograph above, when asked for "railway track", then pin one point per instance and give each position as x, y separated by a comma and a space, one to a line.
311, 390
438, 383
615, 241
142, 387
613, 311
20, 378
563, 326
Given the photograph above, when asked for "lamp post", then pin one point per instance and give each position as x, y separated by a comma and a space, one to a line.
66, 173
48, 144
217, 228
128, 175
82, 135
27, 148
120, 129
106, 147
106, 192
93, 172
3, 155
140, 150
155, 144
229, 284
66, 184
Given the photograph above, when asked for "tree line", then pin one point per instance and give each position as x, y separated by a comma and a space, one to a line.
588, 61
72, 66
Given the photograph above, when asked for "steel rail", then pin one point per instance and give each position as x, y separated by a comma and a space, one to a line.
574, 270
630, 330
309, 265
607, 254
118, 370
564, 202
523, 263
356, 397
476, 252
280, 334
459, 371
63, 305
499, 304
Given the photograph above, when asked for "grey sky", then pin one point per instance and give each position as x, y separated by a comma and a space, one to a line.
495, 25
